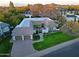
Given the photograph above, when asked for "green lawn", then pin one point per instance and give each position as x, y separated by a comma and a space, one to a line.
52, 39
5, 45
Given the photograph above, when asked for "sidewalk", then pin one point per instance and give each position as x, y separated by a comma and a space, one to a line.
54, 48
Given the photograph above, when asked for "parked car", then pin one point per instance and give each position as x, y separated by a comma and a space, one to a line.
4, 28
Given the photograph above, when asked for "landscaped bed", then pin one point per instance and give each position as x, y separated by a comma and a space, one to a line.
52, 39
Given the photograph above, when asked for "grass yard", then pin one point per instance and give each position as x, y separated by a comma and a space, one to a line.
52, 39
5, 45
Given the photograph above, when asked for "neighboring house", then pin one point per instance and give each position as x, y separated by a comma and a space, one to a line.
77, 17
4, 27
28, 14
26, 29
72, 17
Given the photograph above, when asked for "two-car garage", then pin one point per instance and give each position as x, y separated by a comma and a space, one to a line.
22, 41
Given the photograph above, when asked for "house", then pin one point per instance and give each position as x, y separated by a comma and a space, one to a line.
22, 35
26, 28
4, 28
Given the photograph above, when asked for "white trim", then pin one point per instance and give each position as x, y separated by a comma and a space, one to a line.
30, 16
31, 36
22, 37
13, 38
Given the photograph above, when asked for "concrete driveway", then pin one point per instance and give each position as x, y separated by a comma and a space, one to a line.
22, 48
69, 51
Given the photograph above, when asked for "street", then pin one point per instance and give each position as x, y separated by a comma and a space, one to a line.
69, 51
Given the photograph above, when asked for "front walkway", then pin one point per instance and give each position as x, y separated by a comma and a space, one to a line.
41, 38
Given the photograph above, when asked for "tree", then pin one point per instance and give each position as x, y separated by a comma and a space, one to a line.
23, 9
1, 16
12, 9
61, 20
36, 9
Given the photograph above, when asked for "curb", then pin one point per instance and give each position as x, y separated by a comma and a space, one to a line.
54, 48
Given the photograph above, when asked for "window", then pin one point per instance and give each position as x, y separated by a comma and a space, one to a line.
6, 29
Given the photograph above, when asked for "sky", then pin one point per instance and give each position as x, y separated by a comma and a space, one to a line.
25, 2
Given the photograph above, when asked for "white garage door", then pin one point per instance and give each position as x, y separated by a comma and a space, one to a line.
26, 37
